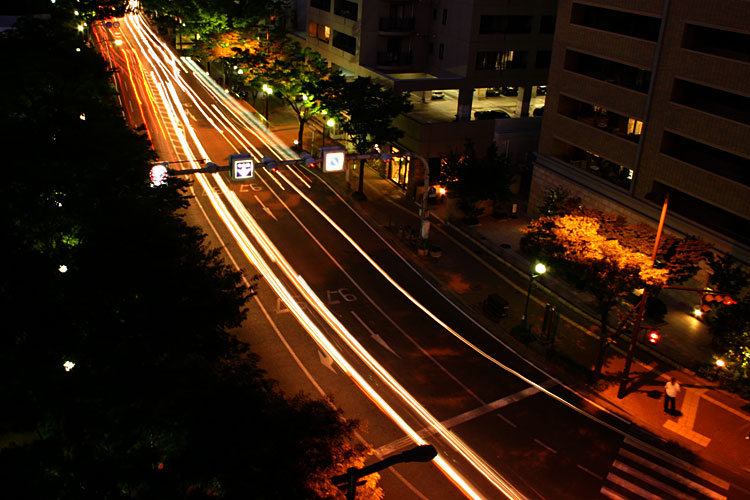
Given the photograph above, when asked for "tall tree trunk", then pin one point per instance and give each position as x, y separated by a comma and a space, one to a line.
300, 135
360, 190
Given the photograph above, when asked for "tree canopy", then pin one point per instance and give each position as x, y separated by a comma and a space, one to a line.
120, 376
366, 110
600, 253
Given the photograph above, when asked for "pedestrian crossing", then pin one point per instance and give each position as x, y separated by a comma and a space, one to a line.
642, 472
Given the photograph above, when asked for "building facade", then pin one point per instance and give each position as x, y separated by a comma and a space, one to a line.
457, 58
648, 97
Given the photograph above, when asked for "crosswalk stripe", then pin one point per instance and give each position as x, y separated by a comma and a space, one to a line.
611, 494
679, 463
632, 487
652, 481
672, 475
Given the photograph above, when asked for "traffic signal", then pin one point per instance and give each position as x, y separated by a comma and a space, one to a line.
269, 163
653, 336
308, 159
709, 300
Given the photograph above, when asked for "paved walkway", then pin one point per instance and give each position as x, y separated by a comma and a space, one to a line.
476, 261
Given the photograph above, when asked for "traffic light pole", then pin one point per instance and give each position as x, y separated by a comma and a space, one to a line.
640, 309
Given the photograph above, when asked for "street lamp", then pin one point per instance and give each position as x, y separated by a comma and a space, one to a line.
329, 123
539, 269
268, 91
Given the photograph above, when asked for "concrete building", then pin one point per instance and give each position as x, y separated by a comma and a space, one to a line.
455, 57
649, 97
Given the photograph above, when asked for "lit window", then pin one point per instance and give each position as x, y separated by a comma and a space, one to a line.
634, 126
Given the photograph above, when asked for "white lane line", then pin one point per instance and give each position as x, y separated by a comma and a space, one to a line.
465, 417
504, 419
489, 407
672, 475
380, 340
677, 463
549, 448
589, 472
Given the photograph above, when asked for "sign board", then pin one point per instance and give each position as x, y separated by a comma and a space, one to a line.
242, 167
333, 159
159, 174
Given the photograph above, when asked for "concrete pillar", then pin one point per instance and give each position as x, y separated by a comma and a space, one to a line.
523, 100
465, 97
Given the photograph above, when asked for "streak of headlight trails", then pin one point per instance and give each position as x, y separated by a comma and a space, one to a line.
257, 260
287, 154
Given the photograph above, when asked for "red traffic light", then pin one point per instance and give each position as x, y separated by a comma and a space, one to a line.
653, 336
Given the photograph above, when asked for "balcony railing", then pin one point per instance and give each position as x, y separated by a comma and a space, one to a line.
396, 24
394, 58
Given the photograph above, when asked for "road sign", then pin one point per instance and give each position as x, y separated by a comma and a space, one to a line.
333, 159
242, 167
159, 174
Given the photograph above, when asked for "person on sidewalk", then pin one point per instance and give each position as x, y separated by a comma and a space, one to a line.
671, 389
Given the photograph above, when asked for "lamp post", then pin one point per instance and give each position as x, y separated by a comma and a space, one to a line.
329, 123
348, 481
268, 91
539, 269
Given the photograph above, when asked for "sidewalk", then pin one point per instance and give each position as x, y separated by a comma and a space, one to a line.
479, 260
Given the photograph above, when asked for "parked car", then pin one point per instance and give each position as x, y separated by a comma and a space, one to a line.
437, 94
510, 91
541, 90
538, 111
492, 92
493, 114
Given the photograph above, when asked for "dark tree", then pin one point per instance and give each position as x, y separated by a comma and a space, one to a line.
159, 400
366, 111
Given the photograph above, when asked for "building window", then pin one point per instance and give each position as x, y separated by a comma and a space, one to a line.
717, 42
510, 59
547, 25
709, 158
344, 42
441, 51
592, 163
604, 120
321, 4
710, 100
615, 21
319, 31
608, 71
492, 25
445, 17
543, 59
431, 48
345, 8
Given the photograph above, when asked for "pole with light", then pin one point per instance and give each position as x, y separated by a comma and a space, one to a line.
641, 308
267, 90
329, 123
539, 269
424, 213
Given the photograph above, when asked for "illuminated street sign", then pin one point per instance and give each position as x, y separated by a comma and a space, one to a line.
333, 159
242, 167
159, 174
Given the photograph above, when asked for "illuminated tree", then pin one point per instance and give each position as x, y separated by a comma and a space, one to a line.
366, 111
600, 254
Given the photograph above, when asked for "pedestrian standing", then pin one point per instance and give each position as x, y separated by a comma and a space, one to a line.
671, 389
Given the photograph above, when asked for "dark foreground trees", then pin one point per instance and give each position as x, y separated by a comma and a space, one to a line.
120, 379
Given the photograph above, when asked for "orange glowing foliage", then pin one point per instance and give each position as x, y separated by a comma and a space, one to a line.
228, 44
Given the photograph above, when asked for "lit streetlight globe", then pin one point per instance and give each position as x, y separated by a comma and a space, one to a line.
330, 122
540, 268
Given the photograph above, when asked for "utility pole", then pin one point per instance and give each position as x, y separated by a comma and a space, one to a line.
641, 308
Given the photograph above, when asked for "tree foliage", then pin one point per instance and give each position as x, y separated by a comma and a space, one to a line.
601, 254
472, 178
162, 401
366, 110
